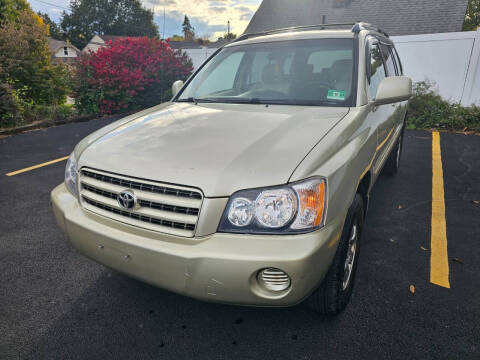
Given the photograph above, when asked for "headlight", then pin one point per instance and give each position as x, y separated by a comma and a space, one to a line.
293, 208
71, 174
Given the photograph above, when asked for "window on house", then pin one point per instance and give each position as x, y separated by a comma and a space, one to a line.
65, 51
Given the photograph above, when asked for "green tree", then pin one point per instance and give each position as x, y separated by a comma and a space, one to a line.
25, 61
472, 19
53, 28
188, 29
228, 36
112, 17
10, 9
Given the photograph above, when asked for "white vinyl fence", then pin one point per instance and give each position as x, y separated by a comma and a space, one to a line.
198, 56
450, 60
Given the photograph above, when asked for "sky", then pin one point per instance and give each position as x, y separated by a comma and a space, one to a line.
208, 17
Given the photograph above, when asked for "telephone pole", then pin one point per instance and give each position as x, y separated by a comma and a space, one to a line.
163, 36
228, 27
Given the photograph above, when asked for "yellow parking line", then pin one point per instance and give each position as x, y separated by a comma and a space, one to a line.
439, 271
37, 166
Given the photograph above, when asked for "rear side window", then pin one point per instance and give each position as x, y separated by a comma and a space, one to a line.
376, 70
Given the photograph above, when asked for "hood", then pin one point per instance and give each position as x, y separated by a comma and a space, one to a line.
219, 148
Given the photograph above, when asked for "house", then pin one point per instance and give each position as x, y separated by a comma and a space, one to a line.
399, 17
62, 51
99, 41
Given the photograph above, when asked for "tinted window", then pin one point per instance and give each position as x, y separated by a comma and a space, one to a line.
376, 69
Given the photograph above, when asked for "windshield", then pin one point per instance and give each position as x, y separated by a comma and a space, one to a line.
296, 72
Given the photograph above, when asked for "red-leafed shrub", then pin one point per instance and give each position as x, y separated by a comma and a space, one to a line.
128, 74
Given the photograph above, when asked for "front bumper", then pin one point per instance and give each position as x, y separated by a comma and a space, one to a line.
218, 267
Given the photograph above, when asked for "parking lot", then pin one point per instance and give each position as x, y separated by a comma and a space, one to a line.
57, 304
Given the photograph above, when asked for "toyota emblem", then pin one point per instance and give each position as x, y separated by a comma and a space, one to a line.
127, 200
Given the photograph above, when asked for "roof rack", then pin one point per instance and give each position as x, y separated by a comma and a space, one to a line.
359, 26
355, 27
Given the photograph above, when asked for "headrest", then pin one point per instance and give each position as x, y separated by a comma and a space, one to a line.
271, 73
342, 66
304, 71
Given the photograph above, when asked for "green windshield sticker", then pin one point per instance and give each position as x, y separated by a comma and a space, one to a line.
336, 95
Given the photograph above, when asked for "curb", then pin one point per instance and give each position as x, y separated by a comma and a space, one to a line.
47, 124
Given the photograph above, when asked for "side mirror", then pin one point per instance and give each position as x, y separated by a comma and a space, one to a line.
393, 89
177, 85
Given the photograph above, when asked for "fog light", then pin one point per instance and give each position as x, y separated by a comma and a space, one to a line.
273, 279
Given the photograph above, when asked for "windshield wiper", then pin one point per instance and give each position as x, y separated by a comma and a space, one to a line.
197, 100
240, 100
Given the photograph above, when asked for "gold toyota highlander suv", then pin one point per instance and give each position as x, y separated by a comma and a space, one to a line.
251, 186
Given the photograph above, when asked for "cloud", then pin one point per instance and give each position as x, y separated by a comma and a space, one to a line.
208, 16
218, 9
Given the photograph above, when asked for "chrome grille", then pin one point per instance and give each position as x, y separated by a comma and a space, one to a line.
141, 186
165, 208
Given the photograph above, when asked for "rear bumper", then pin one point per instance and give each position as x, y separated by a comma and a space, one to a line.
219, 267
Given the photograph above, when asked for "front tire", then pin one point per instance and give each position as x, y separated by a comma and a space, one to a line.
334, 293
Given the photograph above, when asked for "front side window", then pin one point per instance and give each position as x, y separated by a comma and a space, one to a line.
376, 70
297, 72
388, 59
399, 63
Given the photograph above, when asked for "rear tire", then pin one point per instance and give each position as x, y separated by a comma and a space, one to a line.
334, 293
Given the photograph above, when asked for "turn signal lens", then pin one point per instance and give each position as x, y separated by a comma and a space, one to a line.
311, 200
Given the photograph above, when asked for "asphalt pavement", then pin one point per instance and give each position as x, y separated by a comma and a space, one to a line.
57, 304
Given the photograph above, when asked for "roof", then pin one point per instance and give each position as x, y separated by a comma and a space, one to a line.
112, 38
185, 45
54, 44
396, 17
105, 39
